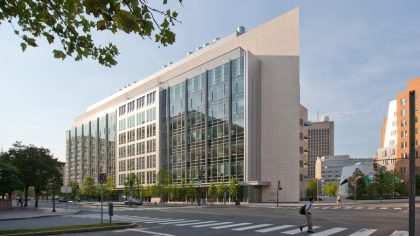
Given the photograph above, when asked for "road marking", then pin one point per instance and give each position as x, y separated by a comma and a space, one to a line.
397, 208
211, 224
335, 208
371, 208
178, 222
150, 232
251, 227
363, 232
346, 208
161, 220
358, 208
329, 231
230, 226
197, 223
273, 228
399, 233
296, 231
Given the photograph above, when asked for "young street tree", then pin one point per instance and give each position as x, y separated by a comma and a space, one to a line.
71, 23
10, 178
88, 188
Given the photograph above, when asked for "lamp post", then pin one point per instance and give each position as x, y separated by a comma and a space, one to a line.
53, 196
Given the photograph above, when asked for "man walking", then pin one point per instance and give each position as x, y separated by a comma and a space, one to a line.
308, 215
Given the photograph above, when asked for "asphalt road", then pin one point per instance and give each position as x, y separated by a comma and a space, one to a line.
357, 220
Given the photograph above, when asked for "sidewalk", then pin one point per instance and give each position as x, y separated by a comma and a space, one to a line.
18, 213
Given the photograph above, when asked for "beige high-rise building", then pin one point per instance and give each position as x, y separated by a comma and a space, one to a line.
230, 109
321, 142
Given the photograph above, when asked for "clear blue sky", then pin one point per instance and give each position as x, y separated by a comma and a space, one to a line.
355, 56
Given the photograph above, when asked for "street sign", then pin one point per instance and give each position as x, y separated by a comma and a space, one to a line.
66, 189
102, 178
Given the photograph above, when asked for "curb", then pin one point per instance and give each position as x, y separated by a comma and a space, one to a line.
69, 231
39, 216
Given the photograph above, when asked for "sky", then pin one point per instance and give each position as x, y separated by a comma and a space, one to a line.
355, 57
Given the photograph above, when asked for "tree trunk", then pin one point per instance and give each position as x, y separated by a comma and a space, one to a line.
26, 196
37, 191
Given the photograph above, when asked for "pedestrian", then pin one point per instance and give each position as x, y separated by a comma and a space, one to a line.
339, 199
308, 215
17, 201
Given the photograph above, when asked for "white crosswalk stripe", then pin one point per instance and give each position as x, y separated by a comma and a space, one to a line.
273, 228
161, 221
251, 227
329, 231
399, 233
371, 208
397, 208
196, 223
384, 208
358, 208
230, 226
212, 224
178, 222
363, 232
296, 231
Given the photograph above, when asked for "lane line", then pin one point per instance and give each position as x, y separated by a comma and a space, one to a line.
329, 231
230, 226
363, 232
273, 228
251, 227
197, 223
296, 231
150, 232
211, 224
399, 233
178, 222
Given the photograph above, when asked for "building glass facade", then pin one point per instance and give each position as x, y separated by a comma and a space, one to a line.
206, 125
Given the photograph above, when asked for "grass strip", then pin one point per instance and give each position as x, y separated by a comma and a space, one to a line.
20, 231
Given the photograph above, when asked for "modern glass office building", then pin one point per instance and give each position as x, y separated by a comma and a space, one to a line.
229, 110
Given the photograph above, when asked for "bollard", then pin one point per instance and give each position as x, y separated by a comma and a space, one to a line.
110, 211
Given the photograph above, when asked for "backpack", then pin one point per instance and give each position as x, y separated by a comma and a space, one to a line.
302, 210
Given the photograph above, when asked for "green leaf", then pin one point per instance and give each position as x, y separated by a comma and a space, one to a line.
23, 46
59, 54
49, 37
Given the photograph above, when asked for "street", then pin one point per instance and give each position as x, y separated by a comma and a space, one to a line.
354, 220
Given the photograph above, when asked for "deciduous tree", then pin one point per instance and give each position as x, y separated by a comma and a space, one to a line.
71, 24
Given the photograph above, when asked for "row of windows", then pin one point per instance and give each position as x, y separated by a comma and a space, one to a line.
130, 150
138, 119
130, 107
130, 136
137, 163
141, 176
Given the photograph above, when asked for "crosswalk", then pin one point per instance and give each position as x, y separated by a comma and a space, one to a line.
286, 229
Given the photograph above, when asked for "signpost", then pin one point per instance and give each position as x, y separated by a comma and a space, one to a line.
101, 180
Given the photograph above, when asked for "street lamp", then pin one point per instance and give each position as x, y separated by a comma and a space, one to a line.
53, 196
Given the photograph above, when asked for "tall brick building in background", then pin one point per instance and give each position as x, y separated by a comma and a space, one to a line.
394, 150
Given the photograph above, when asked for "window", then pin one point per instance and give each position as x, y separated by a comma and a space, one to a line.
122, 138
402, 170
151, 130
404, 133
404, 145
122, 125
121, 110
131, 122
131, 135
403, 123
403, 113
403, 101
140, 148
131, 150
122, 152
151, 97
130, 106
151, 146
140, 102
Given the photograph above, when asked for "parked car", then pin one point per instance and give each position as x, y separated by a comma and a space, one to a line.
134, 201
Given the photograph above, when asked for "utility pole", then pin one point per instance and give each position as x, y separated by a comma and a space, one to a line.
412, 152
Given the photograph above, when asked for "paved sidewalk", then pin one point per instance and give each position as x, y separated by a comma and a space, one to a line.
18, 213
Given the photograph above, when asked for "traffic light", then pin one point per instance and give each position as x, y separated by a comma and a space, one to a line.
279, 185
